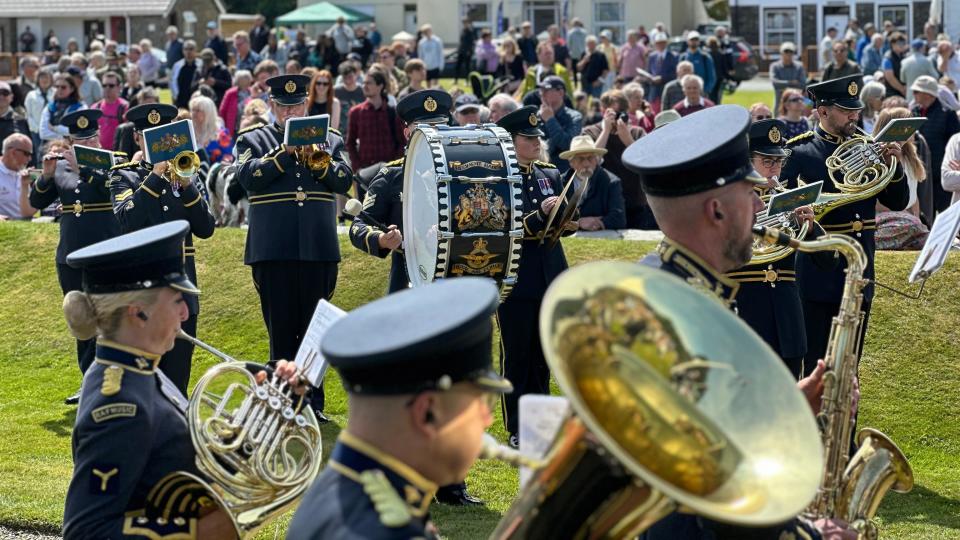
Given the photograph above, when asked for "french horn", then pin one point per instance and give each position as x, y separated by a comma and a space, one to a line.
858, 171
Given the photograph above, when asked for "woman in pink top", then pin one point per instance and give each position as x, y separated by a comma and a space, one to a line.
113, 106
633, 55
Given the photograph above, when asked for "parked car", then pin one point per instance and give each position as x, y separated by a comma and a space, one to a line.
745, 66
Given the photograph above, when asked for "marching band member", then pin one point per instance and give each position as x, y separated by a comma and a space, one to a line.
419, 401
292, 243
143, 195
839, 106
87, 210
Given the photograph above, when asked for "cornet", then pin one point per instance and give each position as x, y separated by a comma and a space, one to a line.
313, 157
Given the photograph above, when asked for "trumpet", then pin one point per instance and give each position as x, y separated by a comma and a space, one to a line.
313, 157
257, 450
183, 167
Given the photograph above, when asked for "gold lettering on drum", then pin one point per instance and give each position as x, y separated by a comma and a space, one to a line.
460, 166
478, 261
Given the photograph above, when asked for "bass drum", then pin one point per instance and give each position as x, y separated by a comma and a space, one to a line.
461, 205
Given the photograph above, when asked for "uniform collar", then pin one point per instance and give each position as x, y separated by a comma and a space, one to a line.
526, 169
111, 351
826, 135
352, 456
697, 272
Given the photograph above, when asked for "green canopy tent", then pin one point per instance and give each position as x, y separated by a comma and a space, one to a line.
321, 13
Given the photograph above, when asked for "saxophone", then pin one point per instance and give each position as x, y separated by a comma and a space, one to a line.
851, 488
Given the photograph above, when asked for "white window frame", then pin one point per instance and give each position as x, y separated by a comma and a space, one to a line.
619, 27
763, 29
532, 6
189, 23
900, 5
479, 24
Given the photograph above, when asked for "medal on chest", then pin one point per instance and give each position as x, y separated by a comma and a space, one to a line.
545, 187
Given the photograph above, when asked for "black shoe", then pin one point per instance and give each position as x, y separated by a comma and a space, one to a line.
72, 400
321, 418
456, 495
514, 442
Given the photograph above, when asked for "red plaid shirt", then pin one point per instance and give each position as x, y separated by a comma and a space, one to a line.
369, 138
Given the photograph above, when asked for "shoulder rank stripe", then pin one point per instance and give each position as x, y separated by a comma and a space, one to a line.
800, 137
394, 163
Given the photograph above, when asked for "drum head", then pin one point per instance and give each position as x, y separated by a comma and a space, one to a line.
420, 210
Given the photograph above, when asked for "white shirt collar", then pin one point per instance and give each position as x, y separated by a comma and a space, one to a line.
686, 102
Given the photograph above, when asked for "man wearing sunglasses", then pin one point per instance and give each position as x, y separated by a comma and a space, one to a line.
14, 181
10, 121
113, 108
420, 397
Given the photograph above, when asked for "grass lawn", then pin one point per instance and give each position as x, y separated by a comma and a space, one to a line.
909, 378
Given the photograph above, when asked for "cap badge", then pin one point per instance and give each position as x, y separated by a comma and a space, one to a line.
774, 135
853, 89
82, 122
430, 104
533, 119
290, 87
153, 117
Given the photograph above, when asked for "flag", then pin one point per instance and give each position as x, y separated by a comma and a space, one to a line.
500, 18
563, 20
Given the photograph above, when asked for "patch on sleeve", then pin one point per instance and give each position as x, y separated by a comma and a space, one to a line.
100, 479
113, 410
112, 381
245, 155
369, 200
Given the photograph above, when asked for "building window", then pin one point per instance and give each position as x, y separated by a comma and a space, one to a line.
189, 24
609, 16
779, 26
898, 15
541, 13
478, 13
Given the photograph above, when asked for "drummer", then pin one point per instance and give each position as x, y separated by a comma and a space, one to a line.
382, 201
521, 356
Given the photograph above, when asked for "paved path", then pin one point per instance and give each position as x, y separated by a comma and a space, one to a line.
14, 534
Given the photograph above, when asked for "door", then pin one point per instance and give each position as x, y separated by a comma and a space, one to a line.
542, 13
410, 18
91, 28
118, 29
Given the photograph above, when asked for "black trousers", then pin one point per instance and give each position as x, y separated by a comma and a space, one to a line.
818, 317
177, 362
71, 280
464, 59
289, 292
521, 356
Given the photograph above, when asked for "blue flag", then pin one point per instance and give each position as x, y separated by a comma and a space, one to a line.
500, 18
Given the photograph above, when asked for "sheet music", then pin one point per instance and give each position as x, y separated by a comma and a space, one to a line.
935, 251
308, 358
540, 418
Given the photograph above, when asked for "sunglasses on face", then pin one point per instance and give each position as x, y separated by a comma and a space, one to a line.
795, 100
110, 85
323, 83
5, 93
762, 117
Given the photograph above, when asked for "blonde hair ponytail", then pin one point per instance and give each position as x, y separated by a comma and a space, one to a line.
80, 314
91, 315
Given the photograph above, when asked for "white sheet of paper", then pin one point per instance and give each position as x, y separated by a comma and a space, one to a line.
308, 358
935, 251
540, 418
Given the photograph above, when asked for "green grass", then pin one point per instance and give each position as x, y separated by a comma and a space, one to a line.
909, 378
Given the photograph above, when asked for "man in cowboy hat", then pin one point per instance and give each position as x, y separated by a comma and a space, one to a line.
601, 206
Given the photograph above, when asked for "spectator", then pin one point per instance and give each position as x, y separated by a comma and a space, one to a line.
863, 42
560, 123
950, 168
362, 45
787, 73
891, 65
34, 104
601, 206
940, 126
594, 68
216, 43
872, 97
501, 105
276, 50
375, 131
185, 72
132, 86
645, 38
246, 58
90, 89
376, 39
72, 46
488, 59
234, 99
324, 54
259, 34
113, 108
27, 40
633, 55
387, 58
342, 36
174, 46
293, 66
853, 33
511, 64
639, 112
615, 134
826, 47
114, 65
722, 65
947, 60
561, 53
14, 180
702, 62
26, 82
213, 74
430, 50
527, 42
662, 65
760, 111
872, 55
66, 99
915, 65
840, 66
149, 64
300, 51
903, 230
577, 44
348, 92
468, 39
10, 120
416, 73
467, 110
791, 112
212, 136
607, 47
545, 67
693, 99
50, 37
673, 91
321, 98
123, 139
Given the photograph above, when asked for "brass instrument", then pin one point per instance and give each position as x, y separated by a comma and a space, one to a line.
313, 157
257, 450
786, 222
675, 403
563, 212
858, 171
182, 167
851, 488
